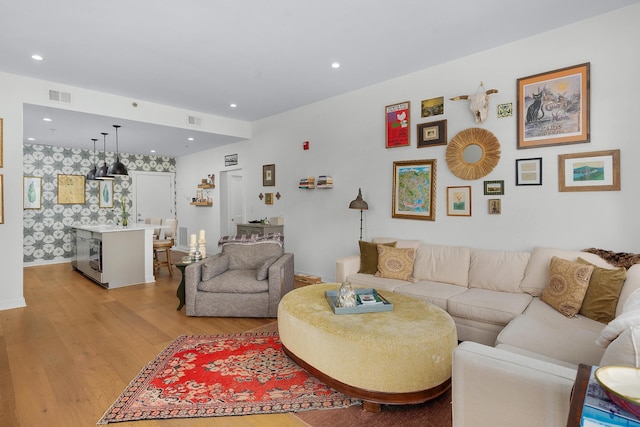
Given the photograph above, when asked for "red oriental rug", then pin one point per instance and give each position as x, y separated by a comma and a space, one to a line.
219, 375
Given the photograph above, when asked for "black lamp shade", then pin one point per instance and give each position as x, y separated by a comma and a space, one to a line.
117, 168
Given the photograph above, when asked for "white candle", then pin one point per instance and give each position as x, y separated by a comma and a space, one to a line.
193, 239
201, 235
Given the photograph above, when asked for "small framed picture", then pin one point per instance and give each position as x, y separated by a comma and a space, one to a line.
231, 159
459, 201
432, 133
495, 206
494, 188
593, 171
105, 196
432, 107
269, 175
529, 171
31, 192
268, 198
397, 117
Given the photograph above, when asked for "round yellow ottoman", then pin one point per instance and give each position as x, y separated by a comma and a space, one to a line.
394, 357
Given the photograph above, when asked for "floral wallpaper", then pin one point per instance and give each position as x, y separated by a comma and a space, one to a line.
46, 230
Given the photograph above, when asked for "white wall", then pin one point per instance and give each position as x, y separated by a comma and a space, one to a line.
346, 135
16, 91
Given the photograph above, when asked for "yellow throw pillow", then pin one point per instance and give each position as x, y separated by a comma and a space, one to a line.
601, 299
567, 286
395, 263
369, 256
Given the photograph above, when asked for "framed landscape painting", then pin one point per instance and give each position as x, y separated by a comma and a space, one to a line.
414, 189
594, 171
553, 107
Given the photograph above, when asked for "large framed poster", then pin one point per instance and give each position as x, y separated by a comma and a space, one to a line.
397, 117
553, 107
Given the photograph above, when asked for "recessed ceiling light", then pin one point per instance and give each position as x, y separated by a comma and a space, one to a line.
153, 151
31, 139
190, 139
335, 65
37, 57
47, 119
233, 105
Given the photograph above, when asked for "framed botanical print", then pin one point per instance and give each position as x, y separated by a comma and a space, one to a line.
553, 107
397, 117
459, 201
71, 189
414, 189
31, 192
105, 194
593, 171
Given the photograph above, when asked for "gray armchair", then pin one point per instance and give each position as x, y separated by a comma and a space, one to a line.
244, 280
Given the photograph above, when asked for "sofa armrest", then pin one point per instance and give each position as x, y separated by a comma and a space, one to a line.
493, 387
280, 281
347, 266
192, 278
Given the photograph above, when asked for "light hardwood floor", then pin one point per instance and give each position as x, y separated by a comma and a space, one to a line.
68, 355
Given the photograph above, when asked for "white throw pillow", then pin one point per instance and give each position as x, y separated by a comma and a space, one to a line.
624, 350
617, 326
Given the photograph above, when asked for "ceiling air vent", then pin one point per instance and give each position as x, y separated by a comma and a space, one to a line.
194, 121
58, 96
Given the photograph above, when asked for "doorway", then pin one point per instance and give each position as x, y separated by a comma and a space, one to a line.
153, 195
232, 206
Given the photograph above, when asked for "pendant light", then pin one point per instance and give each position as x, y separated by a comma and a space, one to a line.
91, 175
101, 173
117, 168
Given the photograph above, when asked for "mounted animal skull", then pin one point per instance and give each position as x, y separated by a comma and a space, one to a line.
478, 103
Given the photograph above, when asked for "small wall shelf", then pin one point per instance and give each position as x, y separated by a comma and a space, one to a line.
206, 186
202, 196
204, 203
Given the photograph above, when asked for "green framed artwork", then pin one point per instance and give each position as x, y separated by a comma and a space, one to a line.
414, 189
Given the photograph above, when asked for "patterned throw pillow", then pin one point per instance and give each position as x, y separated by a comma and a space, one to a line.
369, 256
567, 286
601, 299
395, 263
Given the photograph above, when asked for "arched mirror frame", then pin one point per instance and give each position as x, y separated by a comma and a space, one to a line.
487, 142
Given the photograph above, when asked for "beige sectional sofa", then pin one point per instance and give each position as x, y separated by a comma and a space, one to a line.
519, 357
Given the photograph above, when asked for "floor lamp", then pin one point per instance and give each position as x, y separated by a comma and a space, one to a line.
359, 203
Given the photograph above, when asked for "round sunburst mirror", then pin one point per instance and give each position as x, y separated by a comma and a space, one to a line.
473, 153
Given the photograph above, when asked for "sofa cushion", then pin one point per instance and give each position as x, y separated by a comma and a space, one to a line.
536, 275
214, 266
603, 292
447, 264
262, 272
624, 350
248, 256
565, 338
567, 286
497, 308
235, 281
369, 256
497, 270
370, 281
395, 263
436, 293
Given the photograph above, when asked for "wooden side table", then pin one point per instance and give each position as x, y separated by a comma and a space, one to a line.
577, 395
180, 292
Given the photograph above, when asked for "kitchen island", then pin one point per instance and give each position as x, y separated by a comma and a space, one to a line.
114, 256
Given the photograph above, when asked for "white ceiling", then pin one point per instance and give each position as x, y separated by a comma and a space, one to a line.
266, 56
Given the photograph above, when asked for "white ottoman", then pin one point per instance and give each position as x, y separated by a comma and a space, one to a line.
395, 357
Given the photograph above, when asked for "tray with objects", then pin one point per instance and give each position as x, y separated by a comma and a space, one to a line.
368, 300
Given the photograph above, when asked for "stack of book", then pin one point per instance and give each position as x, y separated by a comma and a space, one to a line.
368, 299
325, 181
599, 410
308, 183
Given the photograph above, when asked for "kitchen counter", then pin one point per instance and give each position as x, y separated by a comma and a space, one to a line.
115, 256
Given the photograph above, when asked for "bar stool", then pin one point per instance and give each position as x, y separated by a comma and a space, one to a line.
165, 245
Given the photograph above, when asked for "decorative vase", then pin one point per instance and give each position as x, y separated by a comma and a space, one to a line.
124, 222
346, 295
